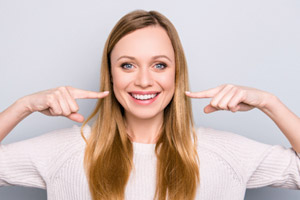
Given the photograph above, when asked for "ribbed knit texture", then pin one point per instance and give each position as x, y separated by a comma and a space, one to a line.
229, 163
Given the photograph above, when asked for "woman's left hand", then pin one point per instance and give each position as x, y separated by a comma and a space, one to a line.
240, 98
232, 97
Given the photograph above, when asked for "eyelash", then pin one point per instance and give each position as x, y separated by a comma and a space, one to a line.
163, 64
126, 64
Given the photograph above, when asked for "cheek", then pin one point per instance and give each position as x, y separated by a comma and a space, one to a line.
168, 82
118, 80
120, 83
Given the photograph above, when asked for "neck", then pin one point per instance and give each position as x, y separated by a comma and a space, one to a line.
144, 130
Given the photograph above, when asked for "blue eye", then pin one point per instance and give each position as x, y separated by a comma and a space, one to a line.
127, 66
160, 66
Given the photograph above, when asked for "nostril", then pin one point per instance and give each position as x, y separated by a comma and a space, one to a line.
144, 79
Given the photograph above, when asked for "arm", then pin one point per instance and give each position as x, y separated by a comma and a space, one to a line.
240, 98
33, 162
286, 120
256, 164
54, 102
10, 117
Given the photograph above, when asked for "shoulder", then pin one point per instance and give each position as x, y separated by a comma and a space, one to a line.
45, 154
51, 144
62, 137
54, 141
225, 140
239, 152
59, 150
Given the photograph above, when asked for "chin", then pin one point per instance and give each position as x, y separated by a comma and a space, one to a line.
144, 114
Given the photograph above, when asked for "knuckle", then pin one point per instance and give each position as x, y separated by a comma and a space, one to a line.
242, 92
50, 97
73, 106
223, 85
57, 92
61, 88
231, 106
76, 108
222, 106
243, 98
238, 90
213, 103
230, 85
235, 89
69, 88
57, 112
233, 110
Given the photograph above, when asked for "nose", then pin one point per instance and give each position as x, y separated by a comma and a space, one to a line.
144, 78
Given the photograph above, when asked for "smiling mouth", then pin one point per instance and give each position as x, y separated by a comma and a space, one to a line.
144, 97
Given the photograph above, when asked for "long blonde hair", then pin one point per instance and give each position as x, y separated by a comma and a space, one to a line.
108, 157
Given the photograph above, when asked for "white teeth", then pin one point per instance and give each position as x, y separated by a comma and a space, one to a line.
144, 97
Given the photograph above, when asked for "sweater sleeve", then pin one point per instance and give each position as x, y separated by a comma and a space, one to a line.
29, 162
19, 165
257, 164
278, 166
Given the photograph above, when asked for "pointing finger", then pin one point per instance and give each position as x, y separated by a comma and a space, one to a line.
84, 94
205, 93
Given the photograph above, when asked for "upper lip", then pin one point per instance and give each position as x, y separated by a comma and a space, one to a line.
144, 92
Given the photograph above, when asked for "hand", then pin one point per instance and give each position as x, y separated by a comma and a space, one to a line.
232, 97
60, 101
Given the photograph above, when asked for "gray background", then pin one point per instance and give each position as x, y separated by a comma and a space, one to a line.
45, 44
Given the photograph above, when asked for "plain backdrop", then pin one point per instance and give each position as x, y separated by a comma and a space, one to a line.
46, 44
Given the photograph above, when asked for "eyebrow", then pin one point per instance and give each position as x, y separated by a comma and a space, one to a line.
154, 57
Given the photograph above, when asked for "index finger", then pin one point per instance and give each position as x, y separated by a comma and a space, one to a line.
85, 94
205, 93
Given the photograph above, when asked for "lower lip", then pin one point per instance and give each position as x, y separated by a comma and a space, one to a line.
144, 102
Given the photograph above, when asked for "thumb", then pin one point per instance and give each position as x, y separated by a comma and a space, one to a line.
209, 109
76, 117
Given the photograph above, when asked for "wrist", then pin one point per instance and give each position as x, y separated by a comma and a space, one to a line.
22, 107
270, 103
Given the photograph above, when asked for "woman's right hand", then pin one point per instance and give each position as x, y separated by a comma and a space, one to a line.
60, 101
54, 102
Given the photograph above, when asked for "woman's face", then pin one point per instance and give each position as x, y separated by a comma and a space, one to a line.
143, 72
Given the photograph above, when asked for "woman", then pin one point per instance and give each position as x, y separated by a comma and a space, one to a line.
142, 144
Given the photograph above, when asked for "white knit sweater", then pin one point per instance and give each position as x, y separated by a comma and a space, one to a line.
229, 164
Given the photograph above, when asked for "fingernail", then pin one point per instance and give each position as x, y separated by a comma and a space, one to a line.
187, 92
106, 92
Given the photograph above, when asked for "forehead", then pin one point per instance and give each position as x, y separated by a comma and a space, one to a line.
144, 43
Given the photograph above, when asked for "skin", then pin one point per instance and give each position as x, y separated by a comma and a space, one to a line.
54, 102
240, 98
142, 61
143, 122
